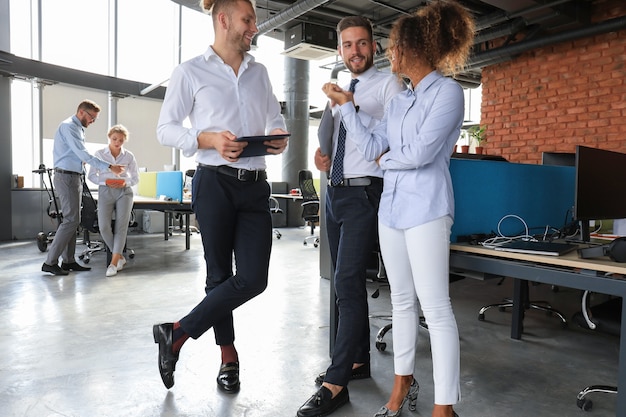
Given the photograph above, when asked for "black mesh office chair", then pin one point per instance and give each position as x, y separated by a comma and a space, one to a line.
606, 318
310, 205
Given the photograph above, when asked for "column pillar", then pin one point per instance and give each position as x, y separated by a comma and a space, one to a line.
296, 115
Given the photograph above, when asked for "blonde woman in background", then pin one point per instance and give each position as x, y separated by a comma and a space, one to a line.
115, 195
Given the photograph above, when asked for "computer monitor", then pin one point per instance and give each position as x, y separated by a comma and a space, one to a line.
600, 186
558, 158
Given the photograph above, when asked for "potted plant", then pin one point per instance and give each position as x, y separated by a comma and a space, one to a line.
478, 134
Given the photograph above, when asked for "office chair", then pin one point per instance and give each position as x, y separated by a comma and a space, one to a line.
310, 205
606, 318
528, 304
180, 217
275, 209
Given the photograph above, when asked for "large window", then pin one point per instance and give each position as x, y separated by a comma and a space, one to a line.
141, 40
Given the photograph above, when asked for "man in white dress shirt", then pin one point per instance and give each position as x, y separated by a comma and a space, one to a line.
225, 94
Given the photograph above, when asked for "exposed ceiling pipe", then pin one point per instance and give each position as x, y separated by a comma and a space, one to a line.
284, 16
510, 29
498, 55
290, 13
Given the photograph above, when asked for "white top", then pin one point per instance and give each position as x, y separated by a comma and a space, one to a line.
206, 90
125, 158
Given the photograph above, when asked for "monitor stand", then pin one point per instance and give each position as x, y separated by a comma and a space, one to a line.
584, 236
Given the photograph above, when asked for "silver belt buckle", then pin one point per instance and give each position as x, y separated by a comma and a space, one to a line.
241, 174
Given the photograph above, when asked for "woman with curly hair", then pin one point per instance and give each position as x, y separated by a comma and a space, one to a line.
413, 145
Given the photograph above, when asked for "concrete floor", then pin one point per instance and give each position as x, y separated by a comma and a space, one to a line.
81, 345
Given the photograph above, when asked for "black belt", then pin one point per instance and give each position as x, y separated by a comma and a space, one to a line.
356, 182
239, 173
63, 171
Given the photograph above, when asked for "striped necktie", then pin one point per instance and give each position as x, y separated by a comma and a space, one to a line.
336, 176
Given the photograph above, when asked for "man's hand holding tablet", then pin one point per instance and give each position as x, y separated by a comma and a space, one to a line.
272, 144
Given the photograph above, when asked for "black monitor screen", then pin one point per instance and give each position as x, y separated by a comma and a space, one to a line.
600, 186
558, 158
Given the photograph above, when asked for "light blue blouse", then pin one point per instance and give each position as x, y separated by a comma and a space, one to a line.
420, 129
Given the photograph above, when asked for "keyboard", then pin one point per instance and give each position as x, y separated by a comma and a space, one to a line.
537, 248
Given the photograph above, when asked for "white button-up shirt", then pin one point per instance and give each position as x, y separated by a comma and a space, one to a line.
215, 99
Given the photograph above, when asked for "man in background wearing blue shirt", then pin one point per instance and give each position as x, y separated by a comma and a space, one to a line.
352, 199
69, 154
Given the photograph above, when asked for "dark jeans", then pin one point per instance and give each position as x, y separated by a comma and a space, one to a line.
234, 219
351, 224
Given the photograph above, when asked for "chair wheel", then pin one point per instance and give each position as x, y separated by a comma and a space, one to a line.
131, 256
86, 260
381, 346
584, 404
481, 317
42, 241
81, 256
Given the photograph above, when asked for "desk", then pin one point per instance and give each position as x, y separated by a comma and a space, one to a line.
294, 197
568, 271
184, 207
148, 203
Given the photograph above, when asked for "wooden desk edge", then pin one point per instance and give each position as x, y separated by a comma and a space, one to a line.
571, 259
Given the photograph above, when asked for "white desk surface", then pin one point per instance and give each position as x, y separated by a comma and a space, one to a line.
292, 196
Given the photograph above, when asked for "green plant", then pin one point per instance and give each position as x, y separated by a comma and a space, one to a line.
478, 133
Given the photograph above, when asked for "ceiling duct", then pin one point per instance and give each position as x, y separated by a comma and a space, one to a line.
310, 42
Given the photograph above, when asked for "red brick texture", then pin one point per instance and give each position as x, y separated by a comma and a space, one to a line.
554, 98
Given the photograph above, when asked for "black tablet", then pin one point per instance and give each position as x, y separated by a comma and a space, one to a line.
255, 144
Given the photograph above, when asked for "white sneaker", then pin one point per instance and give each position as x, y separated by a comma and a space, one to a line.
111, 271
121, 263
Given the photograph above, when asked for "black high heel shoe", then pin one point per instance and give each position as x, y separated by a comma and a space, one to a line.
411, 398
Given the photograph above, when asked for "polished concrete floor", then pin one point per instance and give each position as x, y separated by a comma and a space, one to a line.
81, 345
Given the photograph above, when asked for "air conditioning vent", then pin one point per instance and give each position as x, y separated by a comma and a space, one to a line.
310, 42
309, 52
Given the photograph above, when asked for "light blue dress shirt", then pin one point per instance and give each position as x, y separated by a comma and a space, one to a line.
420, 128
373, 93
69, 150
215, 99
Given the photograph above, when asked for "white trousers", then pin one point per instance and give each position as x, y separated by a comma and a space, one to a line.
417, 264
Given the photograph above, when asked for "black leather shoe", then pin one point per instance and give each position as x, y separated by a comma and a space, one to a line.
228, 377
163, 335
322, 404
53, 269
74, 266
362, 372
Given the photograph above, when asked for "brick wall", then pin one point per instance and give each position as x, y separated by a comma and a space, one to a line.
557, 97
